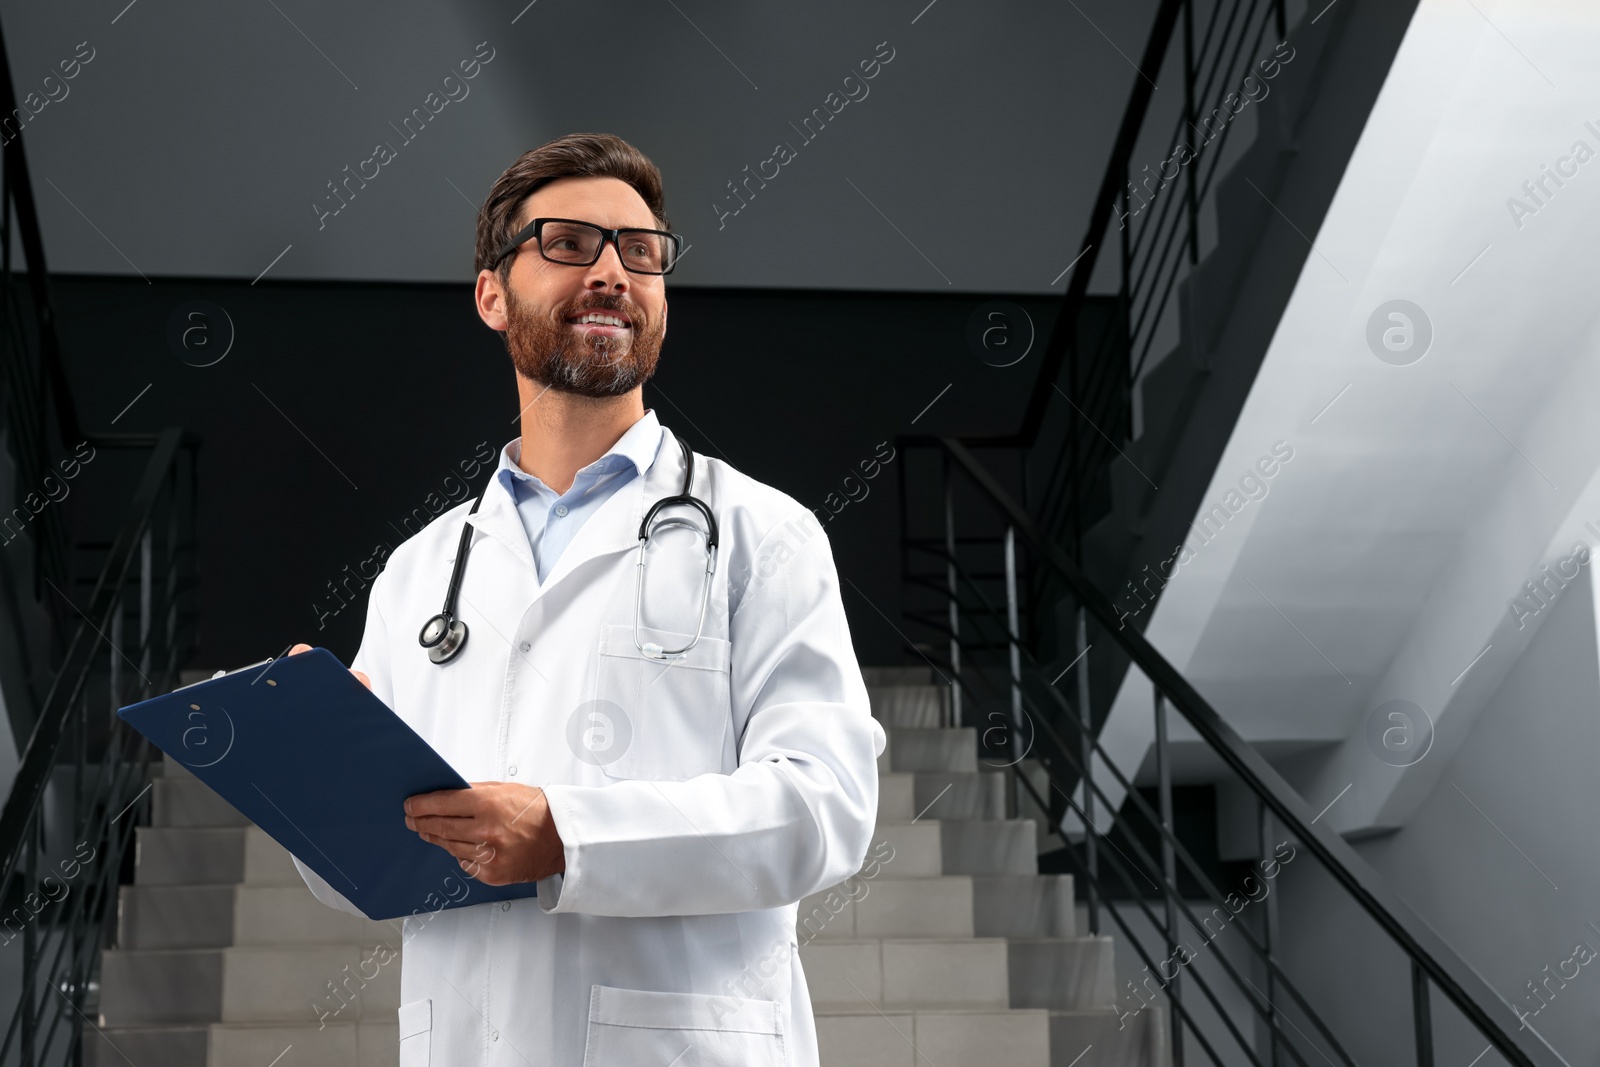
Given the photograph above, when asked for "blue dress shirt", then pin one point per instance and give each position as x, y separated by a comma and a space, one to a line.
552, 521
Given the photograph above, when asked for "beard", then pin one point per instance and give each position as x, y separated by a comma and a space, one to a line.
545, 349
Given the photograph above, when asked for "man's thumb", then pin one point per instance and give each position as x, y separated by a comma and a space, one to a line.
297, 649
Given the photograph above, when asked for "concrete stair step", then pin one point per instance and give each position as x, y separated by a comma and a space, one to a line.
186, 801
170, 1046
897, 797
989, 846
1141, 1041
903, 706
167, 767
875, 1037
1062, 973
301, 984
862, 909
1023, 906
916, 974
232, 855
927, 847
886, 676
917, 849
373, 1044
175, 916
171, 917
932, 749
960, 794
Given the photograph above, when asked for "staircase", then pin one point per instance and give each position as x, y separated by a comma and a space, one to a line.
222, 952
949, 948
957, 951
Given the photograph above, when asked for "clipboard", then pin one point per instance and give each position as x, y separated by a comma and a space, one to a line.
306, 752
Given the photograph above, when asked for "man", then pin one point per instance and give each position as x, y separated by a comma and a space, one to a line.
671, 811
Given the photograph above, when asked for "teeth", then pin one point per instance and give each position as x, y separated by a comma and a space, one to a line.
604, 320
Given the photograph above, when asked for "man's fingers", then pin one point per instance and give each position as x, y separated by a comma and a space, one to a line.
446, 829
297, 649
457, 802
473, 852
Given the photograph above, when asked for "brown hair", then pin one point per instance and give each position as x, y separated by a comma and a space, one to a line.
577, 155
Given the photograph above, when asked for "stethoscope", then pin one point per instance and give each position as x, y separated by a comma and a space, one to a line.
444, 635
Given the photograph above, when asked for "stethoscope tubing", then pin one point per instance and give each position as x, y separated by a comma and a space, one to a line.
443, 635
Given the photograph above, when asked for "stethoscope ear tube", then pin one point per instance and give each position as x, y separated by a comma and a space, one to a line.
443, 635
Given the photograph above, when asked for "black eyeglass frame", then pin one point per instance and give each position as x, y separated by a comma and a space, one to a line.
534, 229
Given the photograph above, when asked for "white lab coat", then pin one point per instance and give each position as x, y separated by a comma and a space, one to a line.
747, 779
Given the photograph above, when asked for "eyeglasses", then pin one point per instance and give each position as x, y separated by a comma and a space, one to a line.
579, 244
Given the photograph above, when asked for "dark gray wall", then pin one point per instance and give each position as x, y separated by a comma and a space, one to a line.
199, 136
341, 407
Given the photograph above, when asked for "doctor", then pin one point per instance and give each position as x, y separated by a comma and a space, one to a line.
671, 811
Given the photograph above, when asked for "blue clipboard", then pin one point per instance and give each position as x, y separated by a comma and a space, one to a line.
306, 752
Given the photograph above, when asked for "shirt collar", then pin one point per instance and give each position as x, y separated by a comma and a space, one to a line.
638, 446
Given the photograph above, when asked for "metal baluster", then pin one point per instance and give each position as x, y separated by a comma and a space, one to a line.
952, 592
1269, 936
1090, 858
1015, 744
114, 670
30, 950
1169, 872
1191, 115
146, 593
1422, 1019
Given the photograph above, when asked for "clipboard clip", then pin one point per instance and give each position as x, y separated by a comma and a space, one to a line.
224, 674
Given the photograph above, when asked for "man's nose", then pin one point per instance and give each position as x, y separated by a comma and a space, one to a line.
606, 272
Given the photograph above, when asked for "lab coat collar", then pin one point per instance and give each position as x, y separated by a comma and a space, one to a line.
638, 445
614, 527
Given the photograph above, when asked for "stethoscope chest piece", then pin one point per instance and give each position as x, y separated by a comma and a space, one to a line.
443, 637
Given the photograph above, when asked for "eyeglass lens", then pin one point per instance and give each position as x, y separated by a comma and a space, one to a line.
579, 244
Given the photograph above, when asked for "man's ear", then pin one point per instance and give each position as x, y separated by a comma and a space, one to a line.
487, 281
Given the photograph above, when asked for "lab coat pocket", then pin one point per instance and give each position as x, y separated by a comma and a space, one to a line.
629, 1027
665, 720
416, 1033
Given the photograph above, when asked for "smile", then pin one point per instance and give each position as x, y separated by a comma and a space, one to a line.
599, 318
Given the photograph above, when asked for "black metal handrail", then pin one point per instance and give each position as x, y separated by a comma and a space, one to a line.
1079, 409
1062, 750
74, 802
1068, 759
83, 773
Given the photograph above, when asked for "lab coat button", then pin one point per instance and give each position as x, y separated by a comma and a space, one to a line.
505, 905
524, 646
513, 768
494, 1035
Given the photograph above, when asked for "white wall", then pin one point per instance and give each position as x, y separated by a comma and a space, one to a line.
1511, 897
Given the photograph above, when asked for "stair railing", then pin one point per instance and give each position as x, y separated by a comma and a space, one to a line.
1147, 230
120, 607
84, 776
1127, 854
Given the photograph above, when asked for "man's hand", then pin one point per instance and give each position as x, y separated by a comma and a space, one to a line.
500, 832
297, 649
